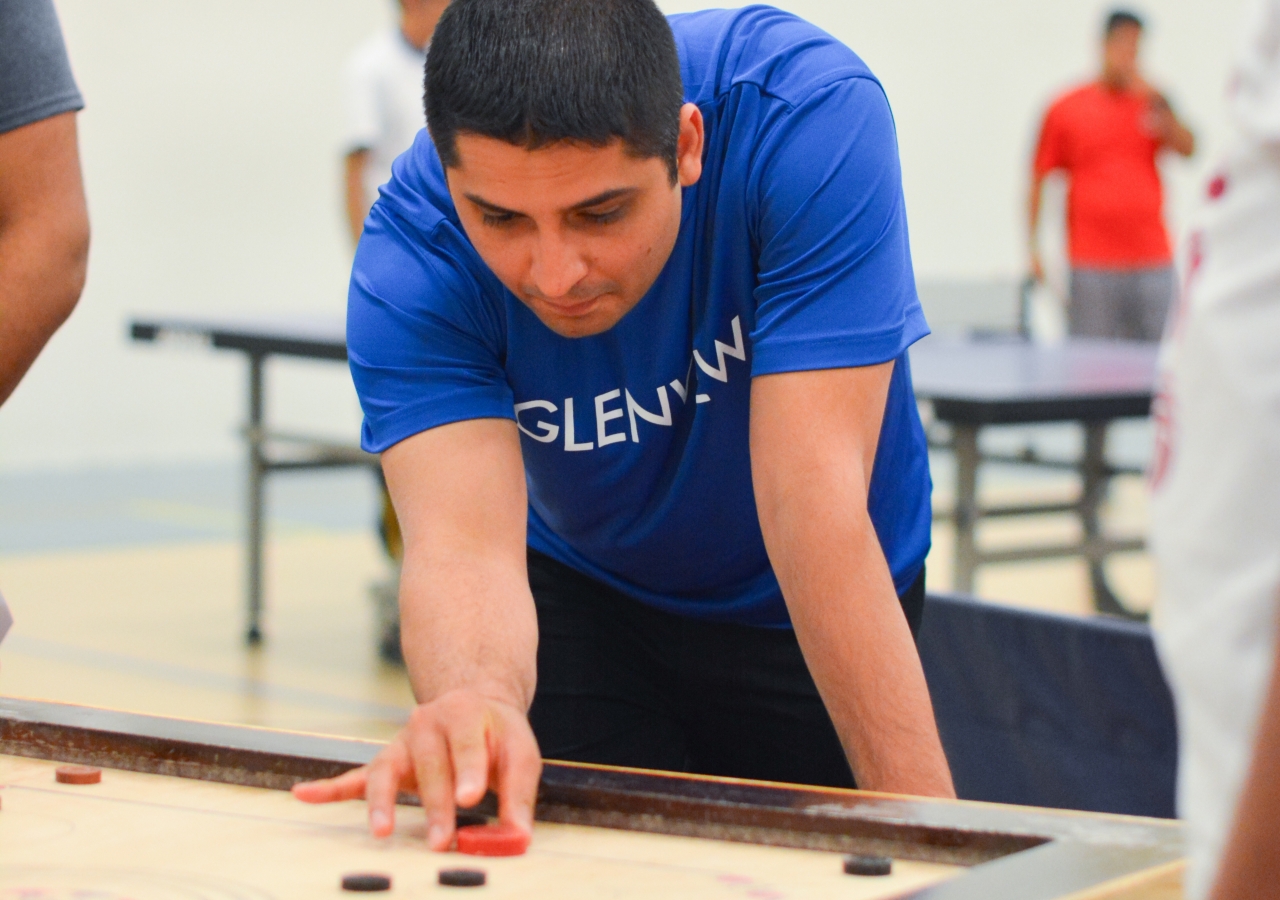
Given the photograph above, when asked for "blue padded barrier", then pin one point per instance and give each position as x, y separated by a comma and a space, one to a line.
1050, 710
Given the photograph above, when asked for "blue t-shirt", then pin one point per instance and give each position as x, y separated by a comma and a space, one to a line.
792, 255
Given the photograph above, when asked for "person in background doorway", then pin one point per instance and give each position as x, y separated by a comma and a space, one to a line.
1216, 496
383, 86
44, 223
1106, 137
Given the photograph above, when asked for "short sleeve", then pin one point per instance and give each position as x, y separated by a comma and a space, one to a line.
424, 347
35, 75
363, 119
835, 283
1051, 147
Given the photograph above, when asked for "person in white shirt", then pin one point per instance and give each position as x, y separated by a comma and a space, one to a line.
383, 87
1216, 503
383, 84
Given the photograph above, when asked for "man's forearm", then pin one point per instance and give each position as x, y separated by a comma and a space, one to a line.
467, 625
813, 443
466, 613
855, 638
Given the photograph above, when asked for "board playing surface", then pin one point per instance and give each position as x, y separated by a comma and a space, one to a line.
153, 837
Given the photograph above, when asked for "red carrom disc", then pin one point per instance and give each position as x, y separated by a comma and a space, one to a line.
492, 840
77, 775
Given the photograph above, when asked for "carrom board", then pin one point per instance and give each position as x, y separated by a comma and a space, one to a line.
196, 810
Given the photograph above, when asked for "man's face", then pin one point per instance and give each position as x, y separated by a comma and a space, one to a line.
578, 233
1120, 54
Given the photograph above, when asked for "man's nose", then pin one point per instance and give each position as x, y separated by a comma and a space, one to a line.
557, 265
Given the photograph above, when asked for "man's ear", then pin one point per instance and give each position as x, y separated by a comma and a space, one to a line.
689, 145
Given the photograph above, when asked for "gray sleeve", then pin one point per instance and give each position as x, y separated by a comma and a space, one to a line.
35, 75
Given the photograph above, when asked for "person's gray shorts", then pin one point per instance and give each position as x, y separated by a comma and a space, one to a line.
1109, 303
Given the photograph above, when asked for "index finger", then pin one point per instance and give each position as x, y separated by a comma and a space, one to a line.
347, 786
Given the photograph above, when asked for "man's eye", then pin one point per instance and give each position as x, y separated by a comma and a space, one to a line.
496, 219
604, 218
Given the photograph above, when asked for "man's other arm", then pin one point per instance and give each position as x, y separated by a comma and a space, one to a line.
357, 204
1035, 264
1250, 866
1049, 156
469, 633
813, 443
44, 239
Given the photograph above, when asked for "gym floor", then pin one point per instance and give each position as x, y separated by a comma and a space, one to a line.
126, 586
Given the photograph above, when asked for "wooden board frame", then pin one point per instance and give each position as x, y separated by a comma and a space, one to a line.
1016, 853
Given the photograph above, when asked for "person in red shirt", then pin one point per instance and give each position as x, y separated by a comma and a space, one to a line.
1106, 136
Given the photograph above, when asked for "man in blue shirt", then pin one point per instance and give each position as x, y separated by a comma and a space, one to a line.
630, 332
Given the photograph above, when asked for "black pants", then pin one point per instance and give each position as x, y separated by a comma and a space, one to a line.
621, 683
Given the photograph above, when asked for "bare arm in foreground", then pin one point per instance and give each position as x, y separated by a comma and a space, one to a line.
44, 239
1250, 867
813, 443
469, 633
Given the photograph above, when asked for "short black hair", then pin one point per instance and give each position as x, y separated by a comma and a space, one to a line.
1119, 18
535, 72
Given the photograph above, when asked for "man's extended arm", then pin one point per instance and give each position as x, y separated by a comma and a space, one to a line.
44, 239
813, 442
469, 633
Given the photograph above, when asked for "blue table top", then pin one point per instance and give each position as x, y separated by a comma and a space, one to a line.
1009, 380
983, 380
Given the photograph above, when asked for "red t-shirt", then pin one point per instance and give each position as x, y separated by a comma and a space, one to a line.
1115, 206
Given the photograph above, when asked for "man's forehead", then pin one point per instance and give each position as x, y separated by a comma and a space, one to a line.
564, 174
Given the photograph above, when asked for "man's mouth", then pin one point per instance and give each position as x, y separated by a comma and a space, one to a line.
569, 307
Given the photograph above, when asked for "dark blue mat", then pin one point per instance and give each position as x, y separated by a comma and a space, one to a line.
1050, 710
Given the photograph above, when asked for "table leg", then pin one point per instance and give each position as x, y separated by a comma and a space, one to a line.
1095, 477
964, 443
257, 469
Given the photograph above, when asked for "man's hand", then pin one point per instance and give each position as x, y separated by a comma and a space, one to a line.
452, 749
1162, 123
813, 444
468, 629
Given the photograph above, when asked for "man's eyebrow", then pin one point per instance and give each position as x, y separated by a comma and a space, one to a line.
490, 207
603, 197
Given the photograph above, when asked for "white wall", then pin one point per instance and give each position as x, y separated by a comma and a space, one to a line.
211, 142
969, 81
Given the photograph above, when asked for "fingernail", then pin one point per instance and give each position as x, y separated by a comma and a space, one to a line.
436, 835
379, 820
524, 818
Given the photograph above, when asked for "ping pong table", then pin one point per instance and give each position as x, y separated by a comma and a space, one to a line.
973, 384
266, 450
970, 384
